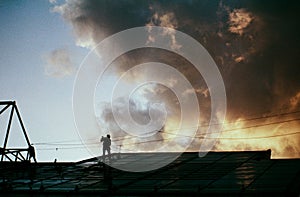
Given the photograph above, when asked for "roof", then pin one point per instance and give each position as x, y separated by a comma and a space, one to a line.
218, 173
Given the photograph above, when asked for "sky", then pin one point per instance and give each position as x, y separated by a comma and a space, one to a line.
255, 45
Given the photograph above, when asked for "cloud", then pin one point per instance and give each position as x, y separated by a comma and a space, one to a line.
140, 114
92, 21
168, 20
58, 63
239, 59
254, 44
203, 91
239, 20
53, 1
295, 100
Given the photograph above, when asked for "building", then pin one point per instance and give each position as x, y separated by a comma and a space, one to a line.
250, 173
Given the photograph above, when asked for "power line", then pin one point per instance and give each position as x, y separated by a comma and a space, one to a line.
205, 125
62, 143
199, 137
59, 143
264, 117
235, 129
167, 139
245, 138
266, 124
258, 137
81, 146
242, 128
244, 120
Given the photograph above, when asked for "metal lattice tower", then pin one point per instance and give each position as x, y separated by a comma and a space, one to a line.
15, 154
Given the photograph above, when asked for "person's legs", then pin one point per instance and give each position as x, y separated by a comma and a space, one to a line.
103, 155
108, 152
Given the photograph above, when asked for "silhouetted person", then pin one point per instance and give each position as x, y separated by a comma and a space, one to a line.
31, 153
106, 145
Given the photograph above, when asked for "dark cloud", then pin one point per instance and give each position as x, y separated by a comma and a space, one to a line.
254, 43
94, 20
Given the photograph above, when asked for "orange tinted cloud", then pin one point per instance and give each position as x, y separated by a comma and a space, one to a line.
239, 19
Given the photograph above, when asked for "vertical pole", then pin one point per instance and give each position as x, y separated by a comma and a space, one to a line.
22, 125
8, 129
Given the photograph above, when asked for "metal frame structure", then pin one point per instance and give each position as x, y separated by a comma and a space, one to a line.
15, 154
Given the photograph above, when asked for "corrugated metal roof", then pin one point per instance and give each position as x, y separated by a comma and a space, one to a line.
218, 173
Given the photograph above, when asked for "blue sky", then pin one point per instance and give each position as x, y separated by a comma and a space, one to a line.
29, 32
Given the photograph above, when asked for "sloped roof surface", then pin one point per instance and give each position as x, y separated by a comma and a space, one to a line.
218, 173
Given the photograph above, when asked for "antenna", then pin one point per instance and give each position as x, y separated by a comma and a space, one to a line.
15, 154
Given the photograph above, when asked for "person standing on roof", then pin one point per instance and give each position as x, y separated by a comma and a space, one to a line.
106, 145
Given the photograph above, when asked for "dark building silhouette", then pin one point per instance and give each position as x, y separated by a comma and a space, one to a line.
250, 173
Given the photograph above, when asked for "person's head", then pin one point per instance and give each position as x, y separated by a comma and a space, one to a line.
108, 136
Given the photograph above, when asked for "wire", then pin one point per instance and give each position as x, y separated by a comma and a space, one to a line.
244, 120
167, 139
80, 145
248, 138
257, 137
68, 144
263, 117
235, 129
261, 125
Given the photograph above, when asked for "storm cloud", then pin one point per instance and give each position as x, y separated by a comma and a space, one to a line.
255, 45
